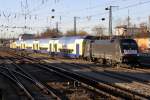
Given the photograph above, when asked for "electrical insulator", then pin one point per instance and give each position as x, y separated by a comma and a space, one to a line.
53, 10
53, 16
103, 19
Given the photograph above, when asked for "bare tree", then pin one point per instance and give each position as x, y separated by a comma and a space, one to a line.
49, 33
80, 33
70, 33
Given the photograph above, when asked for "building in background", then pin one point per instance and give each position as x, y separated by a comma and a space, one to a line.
123, 30
143, 41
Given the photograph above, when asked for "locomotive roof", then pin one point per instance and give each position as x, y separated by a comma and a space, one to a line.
113, 40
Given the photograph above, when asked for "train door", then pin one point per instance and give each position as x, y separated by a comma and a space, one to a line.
50, 47
23, 46
37, 46
33, 46
90, 49
55, 48
77, 50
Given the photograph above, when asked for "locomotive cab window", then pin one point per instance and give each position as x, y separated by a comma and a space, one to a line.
128, 46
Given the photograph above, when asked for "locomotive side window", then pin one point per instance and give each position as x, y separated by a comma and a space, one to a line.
129, 45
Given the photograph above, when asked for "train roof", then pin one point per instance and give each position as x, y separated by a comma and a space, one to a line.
18, 41
29, 41
67, 40
113, 40
64, 39
44, 40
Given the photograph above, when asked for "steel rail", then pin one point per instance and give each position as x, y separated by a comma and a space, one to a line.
84, 80
107, 73
39, 84
18, 84
77, 77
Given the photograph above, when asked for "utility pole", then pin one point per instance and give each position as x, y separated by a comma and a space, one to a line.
75, 25
128, 19
57, 30
110, 18
24, 7
110, 21
149, 24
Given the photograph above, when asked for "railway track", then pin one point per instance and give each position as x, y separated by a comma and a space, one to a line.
32, 88
96, 91
124, 78
124, 93
118, 74
113, 71
17, 85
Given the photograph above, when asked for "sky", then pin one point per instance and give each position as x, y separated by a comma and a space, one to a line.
88, 12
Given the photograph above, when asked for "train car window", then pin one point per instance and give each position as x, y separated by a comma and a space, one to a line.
67, 51
128, 44
42, 48
29, 47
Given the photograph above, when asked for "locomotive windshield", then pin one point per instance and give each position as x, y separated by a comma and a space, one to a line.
129, 46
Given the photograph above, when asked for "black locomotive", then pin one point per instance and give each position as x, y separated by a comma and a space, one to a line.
112, 51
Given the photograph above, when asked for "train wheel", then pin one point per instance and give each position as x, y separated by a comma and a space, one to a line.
100, 61
104, 61
118, 65
95, 60
109, 62
114, 63
89, 59
86, 58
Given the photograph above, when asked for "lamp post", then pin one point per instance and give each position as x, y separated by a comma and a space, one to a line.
110, 18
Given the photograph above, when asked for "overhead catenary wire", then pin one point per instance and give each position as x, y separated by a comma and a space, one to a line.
96, 16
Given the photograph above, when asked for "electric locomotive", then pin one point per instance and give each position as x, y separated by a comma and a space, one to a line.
112, 51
